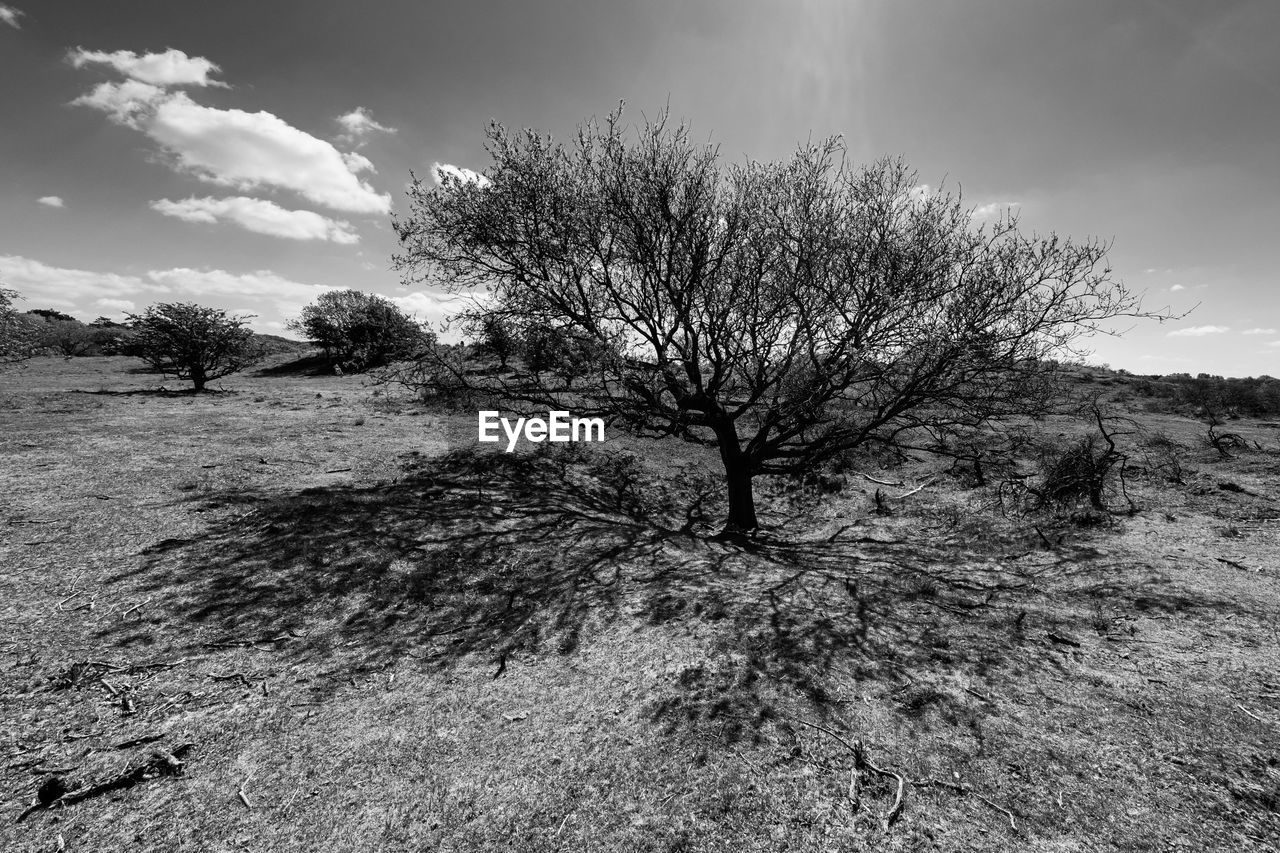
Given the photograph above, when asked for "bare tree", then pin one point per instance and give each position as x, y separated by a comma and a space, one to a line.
782, 312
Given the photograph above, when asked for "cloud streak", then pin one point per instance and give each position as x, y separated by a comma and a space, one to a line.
10, 16
1198, 331
51, 201
171, 68
359, 125
259, 216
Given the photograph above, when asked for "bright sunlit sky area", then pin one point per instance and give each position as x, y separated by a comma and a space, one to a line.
250, 155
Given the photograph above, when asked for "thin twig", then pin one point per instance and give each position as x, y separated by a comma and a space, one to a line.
135, 607
973, 692
964, 789
1251, 714
882, 482
928, 482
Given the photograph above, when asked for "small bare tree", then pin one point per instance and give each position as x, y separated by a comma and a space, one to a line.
780, 312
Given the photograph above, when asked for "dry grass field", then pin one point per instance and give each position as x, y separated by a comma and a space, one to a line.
305, 614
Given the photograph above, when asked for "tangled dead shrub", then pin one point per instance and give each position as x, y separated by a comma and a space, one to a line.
1084, 471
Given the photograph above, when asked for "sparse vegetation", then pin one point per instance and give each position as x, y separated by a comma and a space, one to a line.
476, 650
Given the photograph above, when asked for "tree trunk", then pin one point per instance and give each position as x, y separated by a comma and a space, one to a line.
738, 486
197, 377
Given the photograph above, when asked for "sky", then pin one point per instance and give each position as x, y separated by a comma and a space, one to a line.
250, 155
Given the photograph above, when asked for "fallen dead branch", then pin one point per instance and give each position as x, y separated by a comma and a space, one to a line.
161, 763
249, 644
1062, 639
896, 484
964, 789
860, 761
244, 798
82, 736
139, 741
231, 676
1234, 564
928, 482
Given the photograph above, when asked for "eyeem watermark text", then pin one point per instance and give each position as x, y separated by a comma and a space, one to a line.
557, 427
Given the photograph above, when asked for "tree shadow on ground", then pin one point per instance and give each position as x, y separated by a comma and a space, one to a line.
155, 392
308, 365
483, 555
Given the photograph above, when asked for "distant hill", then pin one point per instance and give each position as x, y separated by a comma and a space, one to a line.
275, 344
1200, 395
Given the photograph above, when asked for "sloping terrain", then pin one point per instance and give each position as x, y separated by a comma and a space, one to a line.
369, 636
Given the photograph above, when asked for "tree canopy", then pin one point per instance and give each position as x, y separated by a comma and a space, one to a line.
193, 342
782, 312
359, 331
17, 338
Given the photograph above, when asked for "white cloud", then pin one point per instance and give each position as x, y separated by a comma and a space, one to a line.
359, 125
127, 103
117, 306
262, 292
51, 201
239, 149
248, 150
10, 15
1274, 344
171, 68
72, 290
444, 171
995, 208
216, 282
358, 163
259, 216
1176, 288
1258, 332
64, 289
431, 307
1198, 331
